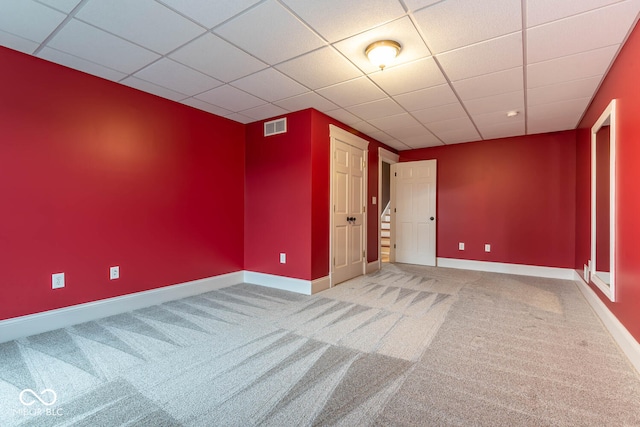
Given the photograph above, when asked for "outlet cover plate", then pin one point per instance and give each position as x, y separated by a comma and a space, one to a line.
283, 258
57, 281
487, 248
461, 246
114, 273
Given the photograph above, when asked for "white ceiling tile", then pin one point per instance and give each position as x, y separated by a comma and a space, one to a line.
177, 77
267, 31
339, 19
498, 118
76, 63
270, 85
385, 138
393, 143
455, 23
29, 20
344, 116
398, 121
503, 102
542, 11
483, 58
401, 133
555, 117
582, 65
587, 31
17, 43
306, 100
459, 136
414, 5
364, 127
376, 109
205, 106
265, 111
210, 13
502, 130
400, 30
422, 141
87, 42
217, 58
230, 98
442, 112
447, 125
240, 118
144, 22
574, 89
352, 92
569, 111
320, 68
65, 6
145, 86
405, 78
427, 98
504, 81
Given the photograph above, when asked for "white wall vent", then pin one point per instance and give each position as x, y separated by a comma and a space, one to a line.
275, 127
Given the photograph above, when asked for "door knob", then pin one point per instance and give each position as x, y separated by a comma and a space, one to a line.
432, 218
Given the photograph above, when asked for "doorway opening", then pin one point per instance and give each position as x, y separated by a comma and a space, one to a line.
385, 160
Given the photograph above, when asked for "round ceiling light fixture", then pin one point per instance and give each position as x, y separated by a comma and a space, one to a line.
512, 113
383, 52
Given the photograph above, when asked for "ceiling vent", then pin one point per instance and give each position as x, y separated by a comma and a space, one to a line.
275, 127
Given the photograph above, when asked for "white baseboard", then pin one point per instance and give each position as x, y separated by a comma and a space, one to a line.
306, 287
38, 323
499, 267
620, 334
373, 266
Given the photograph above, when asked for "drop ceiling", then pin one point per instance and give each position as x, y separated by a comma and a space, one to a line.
464, 63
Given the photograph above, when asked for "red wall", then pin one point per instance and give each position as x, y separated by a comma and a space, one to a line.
95, 174
621, 83
278, 214
517, 194
287, 197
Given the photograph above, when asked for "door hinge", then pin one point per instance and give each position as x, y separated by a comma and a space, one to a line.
364, 164
334, 262
394, 246
364, 209
395, 174
362, 254
395, 210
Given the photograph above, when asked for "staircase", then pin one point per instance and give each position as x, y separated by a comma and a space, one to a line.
385, 234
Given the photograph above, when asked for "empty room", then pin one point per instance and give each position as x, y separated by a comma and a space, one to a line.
301, 212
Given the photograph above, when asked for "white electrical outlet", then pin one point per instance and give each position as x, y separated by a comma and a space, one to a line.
461, 246
487, 247
57, 281
283, 258
114, 273
373, 200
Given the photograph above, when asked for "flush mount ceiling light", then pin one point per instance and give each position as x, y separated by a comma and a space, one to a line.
512, 113
382, 53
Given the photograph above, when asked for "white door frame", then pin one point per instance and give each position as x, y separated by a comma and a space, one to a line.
385, 156
362, 144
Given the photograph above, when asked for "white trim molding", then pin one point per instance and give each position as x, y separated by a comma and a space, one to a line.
499, 267
373, 266
45, 321
306, 287
620, 334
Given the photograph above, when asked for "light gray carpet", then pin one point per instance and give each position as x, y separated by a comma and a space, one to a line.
405, 346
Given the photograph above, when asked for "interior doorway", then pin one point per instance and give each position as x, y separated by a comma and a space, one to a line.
385, 159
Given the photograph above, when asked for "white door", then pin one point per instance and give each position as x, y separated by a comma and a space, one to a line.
413, 213
348, 216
